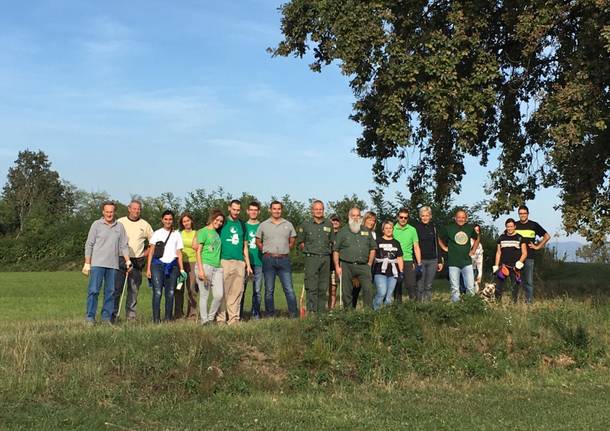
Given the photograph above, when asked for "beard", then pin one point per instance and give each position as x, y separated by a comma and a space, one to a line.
354, 226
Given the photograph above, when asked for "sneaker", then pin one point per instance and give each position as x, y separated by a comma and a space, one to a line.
89, 322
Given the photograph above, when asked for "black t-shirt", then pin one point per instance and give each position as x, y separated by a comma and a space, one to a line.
427, 240
510, 248
529, 231
389, 248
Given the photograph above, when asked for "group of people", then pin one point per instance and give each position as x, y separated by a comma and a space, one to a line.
341, 263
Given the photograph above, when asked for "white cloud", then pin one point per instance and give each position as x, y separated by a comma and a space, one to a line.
266, 95
242, 148
106, 42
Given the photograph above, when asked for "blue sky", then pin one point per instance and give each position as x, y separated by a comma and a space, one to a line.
143, 97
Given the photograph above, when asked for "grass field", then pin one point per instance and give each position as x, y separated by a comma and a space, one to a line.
416, 366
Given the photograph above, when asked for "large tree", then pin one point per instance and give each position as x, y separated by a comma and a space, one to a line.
527, 81
33, 189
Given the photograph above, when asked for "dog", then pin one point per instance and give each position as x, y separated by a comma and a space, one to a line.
488, 293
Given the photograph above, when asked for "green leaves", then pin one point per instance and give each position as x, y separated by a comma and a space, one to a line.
436, 81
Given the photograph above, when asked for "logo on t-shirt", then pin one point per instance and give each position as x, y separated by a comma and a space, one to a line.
234, 236
461, 238
252, 240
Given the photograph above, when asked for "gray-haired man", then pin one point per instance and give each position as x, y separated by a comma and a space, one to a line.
139, 233
105, 241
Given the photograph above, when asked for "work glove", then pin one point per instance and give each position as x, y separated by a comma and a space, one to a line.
86, 269
419, 270
128, 265
519, 264
495, 268
183, 276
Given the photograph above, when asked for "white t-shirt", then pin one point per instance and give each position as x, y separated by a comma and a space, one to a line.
174, 243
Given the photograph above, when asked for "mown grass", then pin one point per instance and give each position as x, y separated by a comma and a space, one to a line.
420, 366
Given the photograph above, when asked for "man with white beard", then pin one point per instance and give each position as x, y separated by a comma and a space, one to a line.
353, 255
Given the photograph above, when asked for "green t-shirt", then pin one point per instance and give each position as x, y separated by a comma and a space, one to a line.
457, 239
210, 246
406, 236
188, 253
232, 237
253, 251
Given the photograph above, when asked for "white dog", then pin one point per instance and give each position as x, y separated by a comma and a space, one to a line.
488, 293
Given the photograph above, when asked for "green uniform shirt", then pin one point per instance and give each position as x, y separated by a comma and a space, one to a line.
406, 236
316, 237
457, 239
210, 246
354, 247
232, 237
253, 251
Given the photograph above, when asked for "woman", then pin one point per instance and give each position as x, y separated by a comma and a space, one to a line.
370, 222
209, 272
431, 257
510, 255
388, 264
165, 265
189, 259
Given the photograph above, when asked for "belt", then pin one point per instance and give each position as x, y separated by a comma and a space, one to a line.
316, 255
354, 263
275, 255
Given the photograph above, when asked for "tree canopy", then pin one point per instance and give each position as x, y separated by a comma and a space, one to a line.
437, 81
33, 188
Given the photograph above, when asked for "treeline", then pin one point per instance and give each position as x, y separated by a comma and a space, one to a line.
44, 220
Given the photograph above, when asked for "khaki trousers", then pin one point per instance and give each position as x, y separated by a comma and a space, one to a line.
234, 272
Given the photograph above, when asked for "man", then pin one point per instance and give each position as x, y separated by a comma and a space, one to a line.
139, 233
235, 263
105, 241
256, 262
275, 237
315, 238
409, 242
455, 240
332, 289
353, 256
529, 231
431, 258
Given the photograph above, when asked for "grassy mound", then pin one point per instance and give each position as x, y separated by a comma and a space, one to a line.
428, 366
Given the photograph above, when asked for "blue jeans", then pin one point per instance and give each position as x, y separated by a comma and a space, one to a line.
424, 282
385, 285
279, 266
161, 282
463, 285
527, 277
257, 284
454, 280
97, 276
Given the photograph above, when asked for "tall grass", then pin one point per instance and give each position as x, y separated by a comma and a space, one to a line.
424, 366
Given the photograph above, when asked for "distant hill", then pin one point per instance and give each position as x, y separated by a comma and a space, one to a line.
567, 249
